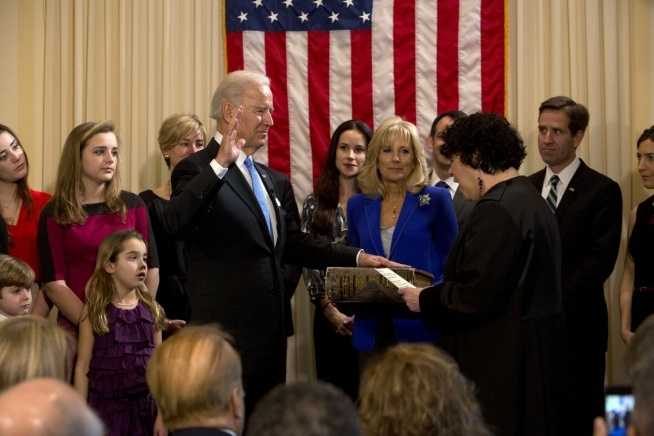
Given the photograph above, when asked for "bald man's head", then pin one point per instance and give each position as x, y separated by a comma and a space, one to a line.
46, 407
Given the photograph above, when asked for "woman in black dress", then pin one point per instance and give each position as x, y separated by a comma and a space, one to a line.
500, 302
180, 135
637, 290
323, 216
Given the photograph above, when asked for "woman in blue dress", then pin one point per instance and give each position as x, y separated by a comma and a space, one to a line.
399, 216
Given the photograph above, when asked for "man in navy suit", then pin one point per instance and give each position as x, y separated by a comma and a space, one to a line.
588, 208
442, 176
237, 220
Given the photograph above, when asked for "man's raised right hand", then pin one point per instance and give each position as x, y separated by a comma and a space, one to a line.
231, 147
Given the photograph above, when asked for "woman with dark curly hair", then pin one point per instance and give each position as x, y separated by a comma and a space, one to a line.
501, 296
418, 390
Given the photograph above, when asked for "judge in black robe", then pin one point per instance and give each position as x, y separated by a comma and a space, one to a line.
500, 302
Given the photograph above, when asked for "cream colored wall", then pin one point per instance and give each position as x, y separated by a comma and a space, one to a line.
135, 62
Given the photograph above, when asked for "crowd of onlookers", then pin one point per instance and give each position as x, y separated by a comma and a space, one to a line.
510, 338
196, 380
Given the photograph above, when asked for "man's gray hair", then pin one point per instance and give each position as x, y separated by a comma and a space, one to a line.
74, 420
231, 90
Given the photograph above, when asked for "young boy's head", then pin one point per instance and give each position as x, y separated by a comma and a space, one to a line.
16, 280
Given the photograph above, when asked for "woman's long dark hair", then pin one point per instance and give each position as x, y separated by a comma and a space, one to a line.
22, 188
326, 191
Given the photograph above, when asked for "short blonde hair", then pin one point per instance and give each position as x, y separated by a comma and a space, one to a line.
192, 374
394, 128
416, 389
177, 127
32, 347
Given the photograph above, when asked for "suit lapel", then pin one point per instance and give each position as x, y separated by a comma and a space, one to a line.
270, 188
408, 208
236, 180
373, 215
572, 189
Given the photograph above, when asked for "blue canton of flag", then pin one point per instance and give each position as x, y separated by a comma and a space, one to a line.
298, 15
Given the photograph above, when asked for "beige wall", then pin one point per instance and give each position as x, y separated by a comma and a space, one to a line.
135, 62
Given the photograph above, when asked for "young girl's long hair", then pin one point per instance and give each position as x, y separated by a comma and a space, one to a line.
66, 199
101, 287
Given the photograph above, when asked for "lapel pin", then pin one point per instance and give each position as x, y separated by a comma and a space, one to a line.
424, 199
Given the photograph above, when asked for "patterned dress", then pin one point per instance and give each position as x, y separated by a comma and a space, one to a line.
117, 386
336, 358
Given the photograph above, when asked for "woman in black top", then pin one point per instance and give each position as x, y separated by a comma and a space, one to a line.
180, 135
637, 290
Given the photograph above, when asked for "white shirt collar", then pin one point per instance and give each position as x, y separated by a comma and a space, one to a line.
450, 184
565, 175
218, 137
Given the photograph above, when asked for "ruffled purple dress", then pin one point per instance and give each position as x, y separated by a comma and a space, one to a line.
117, 386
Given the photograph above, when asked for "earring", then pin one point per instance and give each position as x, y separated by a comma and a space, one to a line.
480, 182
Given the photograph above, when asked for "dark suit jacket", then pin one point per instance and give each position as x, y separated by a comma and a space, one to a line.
235, 274
462, 207
292, 273
590, 221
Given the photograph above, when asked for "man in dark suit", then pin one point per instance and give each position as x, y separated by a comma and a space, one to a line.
588, 208
442, 176
238, 233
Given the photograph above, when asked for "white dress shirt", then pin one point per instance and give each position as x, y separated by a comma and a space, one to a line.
451, 184
565, 175
240, 163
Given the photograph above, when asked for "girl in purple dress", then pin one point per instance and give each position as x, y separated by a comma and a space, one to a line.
120, 327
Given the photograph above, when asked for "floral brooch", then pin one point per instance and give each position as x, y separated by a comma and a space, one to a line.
424, 199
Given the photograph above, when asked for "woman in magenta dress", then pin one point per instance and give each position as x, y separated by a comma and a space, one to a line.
120, 327
87, 206
20, 205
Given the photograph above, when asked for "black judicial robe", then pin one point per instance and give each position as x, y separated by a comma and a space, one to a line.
501, 312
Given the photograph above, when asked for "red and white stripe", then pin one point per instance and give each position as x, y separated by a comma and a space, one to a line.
420, 58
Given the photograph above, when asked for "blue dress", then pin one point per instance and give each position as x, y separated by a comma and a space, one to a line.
424, 232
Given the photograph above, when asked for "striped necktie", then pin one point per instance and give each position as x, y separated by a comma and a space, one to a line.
552, 197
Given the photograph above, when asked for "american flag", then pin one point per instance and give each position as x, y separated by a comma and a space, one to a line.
333, 60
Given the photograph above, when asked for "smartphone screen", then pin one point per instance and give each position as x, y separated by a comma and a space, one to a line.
619, 405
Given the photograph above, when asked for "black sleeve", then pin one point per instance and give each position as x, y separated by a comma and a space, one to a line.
4, 237
487, 256
192, 187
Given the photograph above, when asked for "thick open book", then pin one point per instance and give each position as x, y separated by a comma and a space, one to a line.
372, 285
